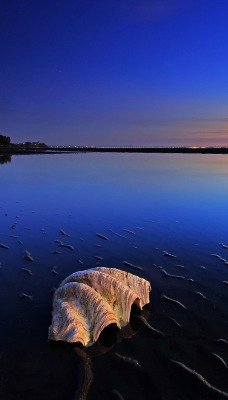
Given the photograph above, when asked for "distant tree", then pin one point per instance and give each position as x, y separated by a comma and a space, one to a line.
4, 140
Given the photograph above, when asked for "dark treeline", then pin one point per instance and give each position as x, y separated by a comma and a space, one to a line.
42, 148
201, 150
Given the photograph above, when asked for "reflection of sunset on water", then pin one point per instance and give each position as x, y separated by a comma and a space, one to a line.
161, 216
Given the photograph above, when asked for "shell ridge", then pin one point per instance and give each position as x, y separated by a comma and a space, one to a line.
88, 301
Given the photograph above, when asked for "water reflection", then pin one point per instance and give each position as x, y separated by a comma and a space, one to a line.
107, 340
172, 203
5, 159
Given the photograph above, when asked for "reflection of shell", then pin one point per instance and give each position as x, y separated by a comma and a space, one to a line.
88, 301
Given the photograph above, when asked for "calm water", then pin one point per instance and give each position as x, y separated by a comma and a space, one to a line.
173, 203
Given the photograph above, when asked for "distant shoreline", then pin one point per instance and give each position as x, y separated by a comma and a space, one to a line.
13, 150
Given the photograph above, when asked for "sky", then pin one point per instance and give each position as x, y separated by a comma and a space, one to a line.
114, 72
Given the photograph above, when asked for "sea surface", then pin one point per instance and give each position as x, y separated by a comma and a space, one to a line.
164, 213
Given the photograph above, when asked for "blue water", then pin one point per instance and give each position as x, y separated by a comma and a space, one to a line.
173, 203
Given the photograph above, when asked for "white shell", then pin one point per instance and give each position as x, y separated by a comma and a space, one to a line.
88, 301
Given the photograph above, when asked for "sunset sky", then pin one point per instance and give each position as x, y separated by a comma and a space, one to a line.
114, 72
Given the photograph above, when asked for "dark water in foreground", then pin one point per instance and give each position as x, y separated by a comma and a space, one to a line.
173, 203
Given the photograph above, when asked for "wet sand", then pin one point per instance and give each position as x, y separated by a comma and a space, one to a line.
186, 325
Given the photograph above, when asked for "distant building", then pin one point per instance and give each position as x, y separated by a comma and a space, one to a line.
32, 145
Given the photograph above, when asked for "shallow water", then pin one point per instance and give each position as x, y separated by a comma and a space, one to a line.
173, 203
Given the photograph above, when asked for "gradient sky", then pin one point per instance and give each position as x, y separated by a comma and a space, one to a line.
114, 72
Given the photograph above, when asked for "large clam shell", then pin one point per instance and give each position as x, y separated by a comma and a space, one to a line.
88, 301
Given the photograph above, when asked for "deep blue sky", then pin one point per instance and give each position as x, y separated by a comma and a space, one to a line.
114, 72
